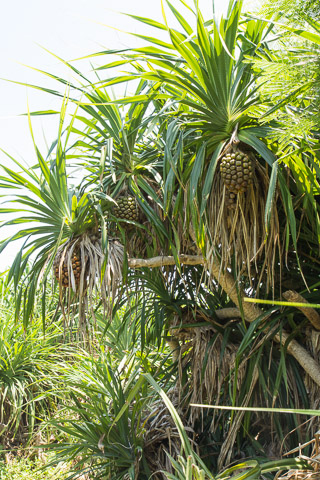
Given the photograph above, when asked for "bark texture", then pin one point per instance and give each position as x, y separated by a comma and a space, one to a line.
251, 311
162, 261
310, 313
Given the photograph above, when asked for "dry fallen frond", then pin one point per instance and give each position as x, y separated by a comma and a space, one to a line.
300, 475
313, 460
162, 436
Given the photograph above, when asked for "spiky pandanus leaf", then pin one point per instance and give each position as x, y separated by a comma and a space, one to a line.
134, 149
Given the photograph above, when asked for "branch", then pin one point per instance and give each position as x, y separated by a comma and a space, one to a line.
309, 365
174, 346
251, 312
311, 314
162, 261
228, 313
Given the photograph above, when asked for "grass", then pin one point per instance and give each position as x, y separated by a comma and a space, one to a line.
20, 468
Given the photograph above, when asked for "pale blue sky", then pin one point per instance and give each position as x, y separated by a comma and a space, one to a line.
70, 29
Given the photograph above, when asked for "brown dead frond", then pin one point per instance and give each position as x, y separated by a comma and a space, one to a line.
93, 272
209, 362
238, 232
314, 460
300, 475
162, 436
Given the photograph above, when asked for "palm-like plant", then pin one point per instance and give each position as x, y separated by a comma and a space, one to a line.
116, 427
122, 149
293, 87
131, 171
194, 115
207, 72
67, 231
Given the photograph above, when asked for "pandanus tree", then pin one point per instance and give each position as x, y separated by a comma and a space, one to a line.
227, 194
229, 177
66, 234
187, 170
221, 180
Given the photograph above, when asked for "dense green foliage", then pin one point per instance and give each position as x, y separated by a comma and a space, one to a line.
84, 362
298, 12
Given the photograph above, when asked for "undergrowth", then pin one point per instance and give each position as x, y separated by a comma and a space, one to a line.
20, 468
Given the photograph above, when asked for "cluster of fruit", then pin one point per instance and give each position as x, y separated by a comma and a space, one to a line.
126, 208
65, 269
236, 173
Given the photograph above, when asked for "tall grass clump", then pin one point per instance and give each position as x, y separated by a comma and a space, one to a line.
27, 376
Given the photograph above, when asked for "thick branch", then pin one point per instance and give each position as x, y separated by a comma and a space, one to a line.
174, 346
311, 314
309, 365
251, 311
226, 281
161, 261
228, 313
